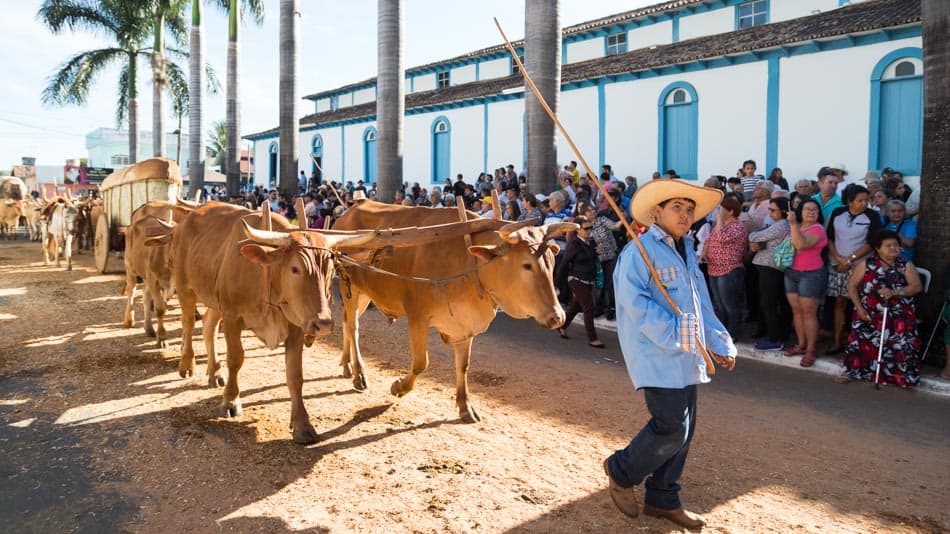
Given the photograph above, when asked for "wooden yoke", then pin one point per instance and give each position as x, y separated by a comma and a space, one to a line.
302, 221
634, 236
495, 205
463, 216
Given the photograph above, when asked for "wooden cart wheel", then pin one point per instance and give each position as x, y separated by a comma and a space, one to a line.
102, 243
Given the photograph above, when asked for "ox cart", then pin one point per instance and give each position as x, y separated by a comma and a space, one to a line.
122, 193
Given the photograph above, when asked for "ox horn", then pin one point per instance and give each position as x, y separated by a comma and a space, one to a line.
510, 228
356, 240
556, 229
266, 237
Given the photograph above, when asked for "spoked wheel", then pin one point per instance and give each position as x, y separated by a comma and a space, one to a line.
102, 243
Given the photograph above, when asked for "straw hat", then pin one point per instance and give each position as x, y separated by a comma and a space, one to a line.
359, 195
656, 191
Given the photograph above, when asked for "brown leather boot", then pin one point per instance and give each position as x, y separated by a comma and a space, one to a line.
681, 517
624, 498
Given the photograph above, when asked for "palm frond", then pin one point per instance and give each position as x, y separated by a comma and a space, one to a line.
122, 106
77, 15
214, 84
253, 9
71, 82
177, 88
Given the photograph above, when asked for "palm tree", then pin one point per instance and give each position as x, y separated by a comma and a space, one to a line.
128, 24
543, 55
196, 160
217, 142
178, 90
232, 161
289, 122
390, 101
934, 242
168, 13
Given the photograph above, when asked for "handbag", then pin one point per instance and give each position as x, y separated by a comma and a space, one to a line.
784, 254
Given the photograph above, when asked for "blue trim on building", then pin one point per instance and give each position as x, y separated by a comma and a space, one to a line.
874, 134
441, 162
478, 75
693, 134
485, 136
342, 151
563, 53
771, 114
738, 4
601, 123
676, 27
369, 154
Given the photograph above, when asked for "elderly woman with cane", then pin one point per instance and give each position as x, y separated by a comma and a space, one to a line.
883, 345
663, 328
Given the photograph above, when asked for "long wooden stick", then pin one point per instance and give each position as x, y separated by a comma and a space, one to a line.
710, 366
329, 183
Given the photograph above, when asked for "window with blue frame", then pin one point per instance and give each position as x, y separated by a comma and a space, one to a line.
441, 149
752, 14
897, 111
334, 102
616, 43
442, 79
679, 130
369, 155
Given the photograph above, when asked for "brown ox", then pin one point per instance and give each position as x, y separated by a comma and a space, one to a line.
10, 213
150, 263
34, 219
512, 270
276, 283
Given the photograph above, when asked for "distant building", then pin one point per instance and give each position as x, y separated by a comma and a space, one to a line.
109, 147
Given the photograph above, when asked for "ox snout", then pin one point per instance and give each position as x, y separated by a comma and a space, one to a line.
319, 326
554, 319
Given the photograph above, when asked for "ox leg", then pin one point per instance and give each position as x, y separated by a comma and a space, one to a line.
352, 360
159, 306
129, 292
231, 405
418, 342
463, 355
188, 302
68, 251
303, 432
148, 307
209, 330
48, 243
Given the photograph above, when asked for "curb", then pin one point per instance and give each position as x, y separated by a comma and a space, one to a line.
827, 365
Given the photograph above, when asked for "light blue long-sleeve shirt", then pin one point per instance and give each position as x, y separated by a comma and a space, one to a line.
658, 346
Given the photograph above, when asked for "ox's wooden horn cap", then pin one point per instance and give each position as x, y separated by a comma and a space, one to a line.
656, 191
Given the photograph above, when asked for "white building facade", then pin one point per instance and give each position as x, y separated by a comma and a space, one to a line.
697, 86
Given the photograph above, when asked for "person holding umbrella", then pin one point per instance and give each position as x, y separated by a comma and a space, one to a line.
883, 345
662, 349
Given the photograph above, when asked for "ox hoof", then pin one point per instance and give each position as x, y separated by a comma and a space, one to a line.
149, 332
215, 381
232, 410
305, 434
347, 370
161, 344
127, 323
397, 388
359, 383
469, 416
185, 373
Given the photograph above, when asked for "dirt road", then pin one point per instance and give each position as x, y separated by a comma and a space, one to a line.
99, 434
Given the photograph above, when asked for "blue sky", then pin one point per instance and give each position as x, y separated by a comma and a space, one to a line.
338, 46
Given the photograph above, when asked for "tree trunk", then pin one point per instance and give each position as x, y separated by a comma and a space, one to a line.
543, 63
158, 87
289, 121
178, 146
196, 87
390, 101
133, 111
934, 241
232, 152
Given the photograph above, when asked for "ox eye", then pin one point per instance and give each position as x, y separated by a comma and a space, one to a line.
526, 266
295, 270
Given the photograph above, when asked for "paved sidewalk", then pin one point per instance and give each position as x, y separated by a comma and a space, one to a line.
829, 365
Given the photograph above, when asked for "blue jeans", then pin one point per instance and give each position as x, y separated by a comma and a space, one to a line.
726, 292
659, 450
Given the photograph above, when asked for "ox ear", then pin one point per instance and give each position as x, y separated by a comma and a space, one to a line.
487, 252
259, 254
158, 241
554, 248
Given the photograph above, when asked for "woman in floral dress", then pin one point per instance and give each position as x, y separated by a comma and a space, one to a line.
884, 279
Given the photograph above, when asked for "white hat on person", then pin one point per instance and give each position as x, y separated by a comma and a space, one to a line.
656, 191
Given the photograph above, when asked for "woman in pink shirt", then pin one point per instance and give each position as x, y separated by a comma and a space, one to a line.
805, 281
723, 254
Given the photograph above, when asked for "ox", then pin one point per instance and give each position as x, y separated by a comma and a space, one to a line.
34, 219
85, 229
276, 283
150, 263
61, 225
457, 295
10, 213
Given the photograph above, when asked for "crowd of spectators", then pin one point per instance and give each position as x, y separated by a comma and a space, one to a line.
842, 233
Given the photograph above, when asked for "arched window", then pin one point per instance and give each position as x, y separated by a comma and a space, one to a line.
441, 149
316, 152
369, 154
678, 135
272, 160
897, 112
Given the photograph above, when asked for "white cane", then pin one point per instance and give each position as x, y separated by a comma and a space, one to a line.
880, 347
